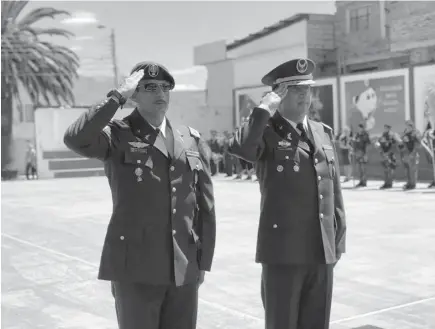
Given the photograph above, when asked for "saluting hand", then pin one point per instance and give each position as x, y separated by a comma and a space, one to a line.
271, 100
129, 85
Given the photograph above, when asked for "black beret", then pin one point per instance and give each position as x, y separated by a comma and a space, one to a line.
154, 71
294, 72
361, 125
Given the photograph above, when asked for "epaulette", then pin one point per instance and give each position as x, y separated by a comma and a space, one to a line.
194, 132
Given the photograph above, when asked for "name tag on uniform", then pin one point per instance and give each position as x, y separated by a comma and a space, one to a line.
192, 153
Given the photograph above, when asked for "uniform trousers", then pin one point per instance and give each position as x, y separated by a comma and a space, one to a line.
297, 296
144, 306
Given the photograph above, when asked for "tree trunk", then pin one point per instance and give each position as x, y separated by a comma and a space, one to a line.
6, 112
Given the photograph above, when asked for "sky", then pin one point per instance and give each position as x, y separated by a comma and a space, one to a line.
164, 31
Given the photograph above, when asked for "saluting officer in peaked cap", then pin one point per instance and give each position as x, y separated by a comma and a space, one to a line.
161, 237
301, 234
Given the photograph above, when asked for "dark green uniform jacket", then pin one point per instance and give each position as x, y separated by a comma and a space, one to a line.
302, 218
162, 230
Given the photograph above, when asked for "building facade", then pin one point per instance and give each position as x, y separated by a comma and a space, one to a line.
362, 36
381, 49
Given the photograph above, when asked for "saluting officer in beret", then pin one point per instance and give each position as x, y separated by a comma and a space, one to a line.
161, 235
302, 225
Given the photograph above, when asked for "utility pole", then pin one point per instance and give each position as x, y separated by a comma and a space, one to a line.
339, 65
115, 66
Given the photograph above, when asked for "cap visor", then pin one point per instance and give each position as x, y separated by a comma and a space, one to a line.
298, 83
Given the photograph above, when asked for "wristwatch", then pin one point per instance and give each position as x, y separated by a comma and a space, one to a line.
121, 99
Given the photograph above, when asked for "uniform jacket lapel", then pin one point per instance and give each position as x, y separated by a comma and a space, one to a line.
316, 130
143, 130
284, 128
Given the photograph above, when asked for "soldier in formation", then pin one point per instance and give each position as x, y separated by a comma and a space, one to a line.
344, 142
217, 151
161, 236
360, 142
428, 143
302, 228
387, 144
411, 140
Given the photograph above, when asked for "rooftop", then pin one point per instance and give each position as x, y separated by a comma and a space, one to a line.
268, 30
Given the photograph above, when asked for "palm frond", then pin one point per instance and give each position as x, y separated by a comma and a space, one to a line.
10, 11
51, 31
40, 13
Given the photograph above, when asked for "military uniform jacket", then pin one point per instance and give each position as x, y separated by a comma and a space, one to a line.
361, 141
411, 140
387, 142
162, 229
302, 219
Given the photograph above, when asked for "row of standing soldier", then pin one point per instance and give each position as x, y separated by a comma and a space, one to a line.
222, 161
354, 153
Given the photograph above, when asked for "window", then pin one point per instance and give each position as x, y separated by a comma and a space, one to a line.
359, 19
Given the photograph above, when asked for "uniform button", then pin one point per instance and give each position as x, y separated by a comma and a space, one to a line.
138, 161
316, 161
174, 232
122, 237
321, 196
174, 211
174, 189
138, 130
275, 226
172, 168
286, 157
321, 216
319, 178
197, 166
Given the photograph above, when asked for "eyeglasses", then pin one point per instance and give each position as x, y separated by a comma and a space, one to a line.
152, 87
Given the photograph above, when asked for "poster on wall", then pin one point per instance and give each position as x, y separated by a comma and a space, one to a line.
375, 99
424, 96
323, 104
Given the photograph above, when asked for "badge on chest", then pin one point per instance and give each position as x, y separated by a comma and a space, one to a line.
138, 147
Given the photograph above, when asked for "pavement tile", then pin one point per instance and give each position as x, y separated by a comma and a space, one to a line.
52, 234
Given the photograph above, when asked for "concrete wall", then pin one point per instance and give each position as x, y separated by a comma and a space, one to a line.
256, 58
412, 25
400, 33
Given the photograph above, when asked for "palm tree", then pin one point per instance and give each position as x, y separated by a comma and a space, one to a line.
46, 71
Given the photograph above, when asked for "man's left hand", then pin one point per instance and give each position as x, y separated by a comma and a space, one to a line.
201, 277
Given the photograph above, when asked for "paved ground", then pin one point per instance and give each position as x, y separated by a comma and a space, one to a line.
52, 233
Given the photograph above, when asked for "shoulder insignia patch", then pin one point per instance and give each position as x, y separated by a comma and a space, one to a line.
194, 132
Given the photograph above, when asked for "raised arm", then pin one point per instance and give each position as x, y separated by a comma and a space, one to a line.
247, 142
90, 134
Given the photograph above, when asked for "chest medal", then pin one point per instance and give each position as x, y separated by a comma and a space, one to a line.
138, 172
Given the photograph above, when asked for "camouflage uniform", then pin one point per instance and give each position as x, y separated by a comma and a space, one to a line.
411, 139
359, 143
387, 141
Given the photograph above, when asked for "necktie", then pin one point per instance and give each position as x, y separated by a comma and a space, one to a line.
304, 135
168, 145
